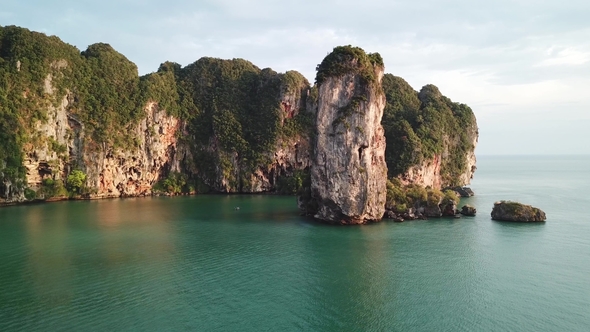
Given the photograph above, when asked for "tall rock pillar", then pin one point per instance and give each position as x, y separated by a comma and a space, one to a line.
348, 170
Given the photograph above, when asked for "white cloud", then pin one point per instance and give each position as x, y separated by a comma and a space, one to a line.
525, 59
569, 56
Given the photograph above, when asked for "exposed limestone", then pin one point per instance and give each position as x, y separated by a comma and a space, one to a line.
59, 146
48, 154
348, 172
426, 174
109, 173
470, 158
289, 156
133, 173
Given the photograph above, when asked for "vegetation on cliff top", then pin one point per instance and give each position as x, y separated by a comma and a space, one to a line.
239, 107
349, 60
420, 125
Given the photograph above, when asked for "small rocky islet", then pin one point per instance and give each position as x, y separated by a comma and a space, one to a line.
517, 212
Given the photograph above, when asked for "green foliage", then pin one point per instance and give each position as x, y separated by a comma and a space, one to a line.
435, 197
239, 107
403, 148
396, 196
228, 131
108, 94
289, 185
450, 196
30, 194
419, 126
161, 87
300, 124
349, 60
76, 181
416, 194
174, 183
52, 188
293, 82
399, 197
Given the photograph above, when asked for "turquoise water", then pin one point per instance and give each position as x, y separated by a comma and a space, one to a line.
196, 263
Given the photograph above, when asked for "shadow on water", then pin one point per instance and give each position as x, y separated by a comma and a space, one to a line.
519, 225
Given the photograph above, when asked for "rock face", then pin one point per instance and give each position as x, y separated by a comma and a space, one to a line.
110, 172
426, 174
513, 211
348, 171
433, 211
288, 155
430, 139
468, 210
430, 172
449, 210
461, 191
119, 173
91, 112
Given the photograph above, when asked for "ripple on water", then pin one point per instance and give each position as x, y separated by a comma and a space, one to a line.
196, 263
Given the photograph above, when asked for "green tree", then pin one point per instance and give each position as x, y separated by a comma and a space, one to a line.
76, 181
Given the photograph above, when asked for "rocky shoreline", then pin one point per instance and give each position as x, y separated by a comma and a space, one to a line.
444, 207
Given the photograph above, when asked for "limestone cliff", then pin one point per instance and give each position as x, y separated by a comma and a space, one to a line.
218, 126
120, 173
61, 145
348, 171
252, 126
430, 139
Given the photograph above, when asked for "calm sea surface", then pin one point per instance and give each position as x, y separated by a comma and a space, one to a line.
196, 263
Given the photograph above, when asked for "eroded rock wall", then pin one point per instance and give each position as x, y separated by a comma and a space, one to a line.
60, 146
230, 173
119, 173
429, 173
348, 172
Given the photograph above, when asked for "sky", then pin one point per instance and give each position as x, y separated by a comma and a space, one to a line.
523, 66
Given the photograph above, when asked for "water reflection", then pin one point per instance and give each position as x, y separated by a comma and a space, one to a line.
48, 262
350, 278
102, 250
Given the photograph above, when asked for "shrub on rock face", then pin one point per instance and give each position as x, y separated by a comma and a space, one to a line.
76, 181
514, 211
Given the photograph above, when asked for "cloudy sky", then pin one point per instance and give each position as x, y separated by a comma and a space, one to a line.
523, 66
